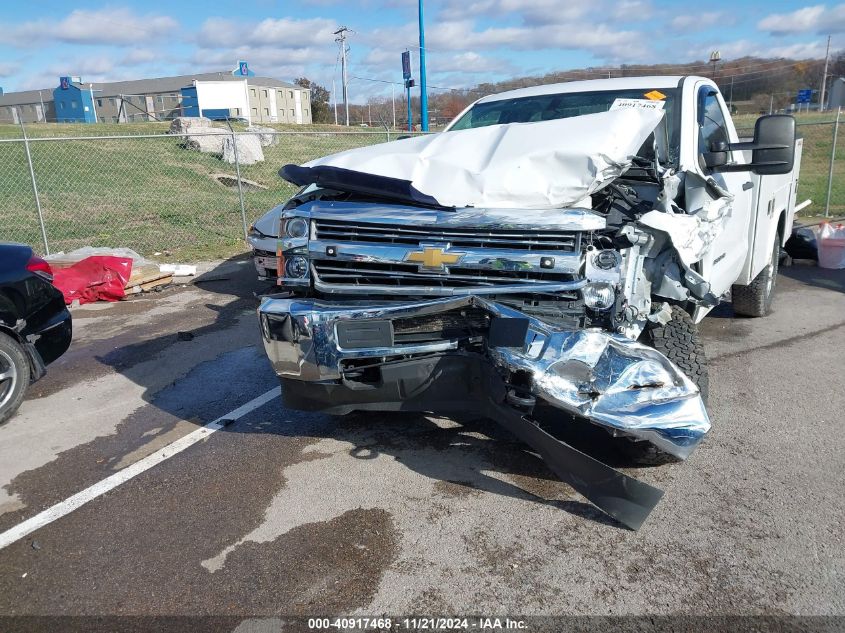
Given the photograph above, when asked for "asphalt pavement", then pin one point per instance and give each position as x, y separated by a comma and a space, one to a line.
281, 513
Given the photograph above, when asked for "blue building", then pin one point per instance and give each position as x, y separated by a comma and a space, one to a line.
73, 102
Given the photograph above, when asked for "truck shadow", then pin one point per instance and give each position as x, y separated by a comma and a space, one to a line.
808, 274
462, 455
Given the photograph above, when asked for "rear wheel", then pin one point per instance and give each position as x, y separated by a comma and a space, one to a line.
14, 376
680, 342
755, 299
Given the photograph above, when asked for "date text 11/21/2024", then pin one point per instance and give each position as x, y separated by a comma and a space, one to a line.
416, 624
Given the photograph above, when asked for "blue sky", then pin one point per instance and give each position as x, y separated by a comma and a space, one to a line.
468, 41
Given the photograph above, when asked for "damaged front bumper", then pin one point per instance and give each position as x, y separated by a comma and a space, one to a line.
622, 385
356, 355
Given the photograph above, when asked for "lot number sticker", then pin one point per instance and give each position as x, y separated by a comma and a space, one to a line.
642, 104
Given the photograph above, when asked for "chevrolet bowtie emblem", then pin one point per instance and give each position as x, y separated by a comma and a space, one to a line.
432, 257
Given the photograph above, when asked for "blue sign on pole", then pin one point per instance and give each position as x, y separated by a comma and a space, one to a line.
804, 96
406, 65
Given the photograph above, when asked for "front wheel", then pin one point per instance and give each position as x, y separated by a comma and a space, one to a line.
14, 376
755, 299
679, 341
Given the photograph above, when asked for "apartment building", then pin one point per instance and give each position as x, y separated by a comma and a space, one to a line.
238, 93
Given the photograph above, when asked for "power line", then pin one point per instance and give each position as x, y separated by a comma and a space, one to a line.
399, 83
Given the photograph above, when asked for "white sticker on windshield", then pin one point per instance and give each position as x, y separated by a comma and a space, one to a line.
644, 104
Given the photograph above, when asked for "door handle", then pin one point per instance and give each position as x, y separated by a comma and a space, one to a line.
747, 185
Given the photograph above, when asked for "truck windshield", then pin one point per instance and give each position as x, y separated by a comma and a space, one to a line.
561, 106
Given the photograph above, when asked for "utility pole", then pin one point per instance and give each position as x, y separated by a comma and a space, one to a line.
832, 161
731, 99
393, 102
423, 94
771, 103
824, 75
341, 39
334, 98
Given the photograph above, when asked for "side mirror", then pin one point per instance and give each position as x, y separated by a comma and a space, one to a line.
774, 137
717, 156
772, 150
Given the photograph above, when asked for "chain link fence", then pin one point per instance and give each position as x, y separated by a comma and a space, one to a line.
153, 193
822, 176
149, 192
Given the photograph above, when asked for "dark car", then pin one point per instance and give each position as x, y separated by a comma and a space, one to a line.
35, 325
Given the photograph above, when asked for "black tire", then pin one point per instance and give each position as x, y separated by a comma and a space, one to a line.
680, 342
14, 376
755, 299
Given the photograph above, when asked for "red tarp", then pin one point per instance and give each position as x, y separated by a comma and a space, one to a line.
95, 278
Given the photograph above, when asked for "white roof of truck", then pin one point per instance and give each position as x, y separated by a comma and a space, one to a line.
590, 85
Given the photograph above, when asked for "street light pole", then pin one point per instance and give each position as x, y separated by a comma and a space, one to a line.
423, 94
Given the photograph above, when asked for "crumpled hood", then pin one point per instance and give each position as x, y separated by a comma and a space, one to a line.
548, 164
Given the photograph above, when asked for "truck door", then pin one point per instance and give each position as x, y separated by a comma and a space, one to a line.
726, 256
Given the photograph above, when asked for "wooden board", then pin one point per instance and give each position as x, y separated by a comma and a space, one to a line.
150, 285
146, 274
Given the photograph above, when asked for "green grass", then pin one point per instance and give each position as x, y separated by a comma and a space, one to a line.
152, 195
817, 132
149, 194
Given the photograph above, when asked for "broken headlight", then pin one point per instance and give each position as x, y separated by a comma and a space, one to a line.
296, 227
599, 295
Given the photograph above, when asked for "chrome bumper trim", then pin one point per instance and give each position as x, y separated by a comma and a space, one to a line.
617, 383
438, 291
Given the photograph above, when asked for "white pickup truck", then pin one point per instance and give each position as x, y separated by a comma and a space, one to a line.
546, 258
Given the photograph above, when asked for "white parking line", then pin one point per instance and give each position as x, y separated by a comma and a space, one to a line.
109, 483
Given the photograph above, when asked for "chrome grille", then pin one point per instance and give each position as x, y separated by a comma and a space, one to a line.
366, 273
516, 239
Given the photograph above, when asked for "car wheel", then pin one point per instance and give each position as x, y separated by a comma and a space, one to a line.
755, 299
680, 342
14, 376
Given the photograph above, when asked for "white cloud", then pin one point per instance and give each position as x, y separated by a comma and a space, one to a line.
8, 68
597, 39
701, 20
634, 10
92, 69
531, 11
815, 19
139, 56
280, 33
469, 63
462, 36
813, 49
119, 27
802, 50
